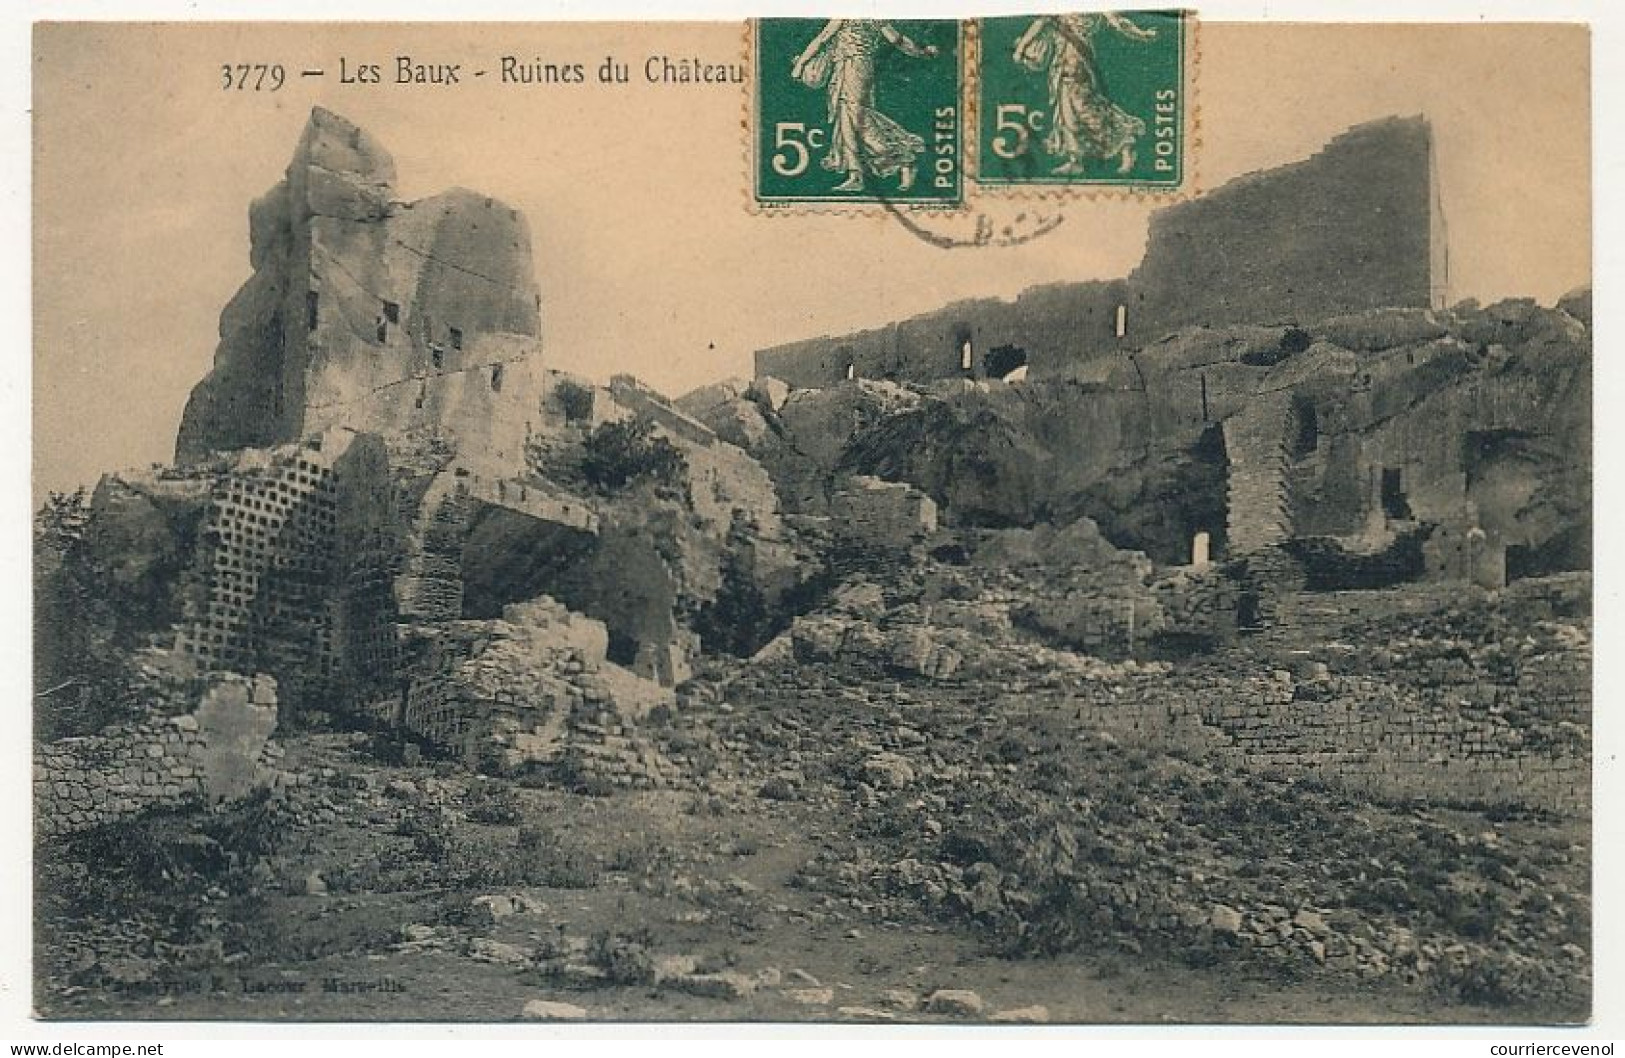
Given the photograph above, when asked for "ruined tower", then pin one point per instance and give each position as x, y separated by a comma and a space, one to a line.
374, 314
1354, 227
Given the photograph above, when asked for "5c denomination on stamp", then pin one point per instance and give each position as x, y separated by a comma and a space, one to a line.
1093, 99
858, 110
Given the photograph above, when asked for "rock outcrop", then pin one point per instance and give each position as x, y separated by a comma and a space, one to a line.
1353, 228
1471, 423
371, 313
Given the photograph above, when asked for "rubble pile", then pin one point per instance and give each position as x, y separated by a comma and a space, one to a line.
1262, 646
1054, 836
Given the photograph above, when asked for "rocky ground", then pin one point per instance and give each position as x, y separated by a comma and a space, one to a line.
853, 841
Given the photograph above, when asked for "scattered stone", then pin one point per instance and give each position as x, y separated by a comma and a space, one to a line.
802, 977
727, 985
811, 997
668, 967
581, 975
1037, 1014
497, 906
959, 1001
899, 999
1225, 919
484, 949
888, 771
865, 1014
549, 1010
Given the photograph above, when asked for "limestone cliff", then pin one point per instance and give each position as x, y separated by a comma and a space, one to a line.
1466, 428
371, 313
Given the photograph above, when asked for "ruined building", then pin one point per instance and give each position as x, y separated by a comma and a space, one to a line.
374, 314
385, 502
1356, 227
1277, 381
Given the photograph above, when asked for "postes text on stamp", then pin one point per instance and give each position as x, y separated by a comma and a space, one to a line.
858, 110
1093, 99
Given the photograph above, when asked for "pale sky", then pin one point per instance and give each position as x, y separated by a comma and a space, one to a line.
648, 260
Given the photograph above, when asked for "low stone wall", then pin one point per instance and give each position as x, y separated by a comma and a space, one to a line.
605, 750
220, 752
533, 688
1197, 603
883, 513
1365, 735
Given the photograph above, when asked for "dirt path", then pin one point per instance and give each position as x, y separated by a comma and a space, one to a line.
717, 888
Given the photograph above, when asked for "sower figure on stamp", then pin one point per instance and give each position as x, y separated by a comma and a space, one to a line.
1084, 122
842, 57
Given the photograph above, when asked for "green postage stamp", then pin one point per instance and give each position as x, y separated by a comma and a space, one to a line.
858, 110
1096, 98
875, 111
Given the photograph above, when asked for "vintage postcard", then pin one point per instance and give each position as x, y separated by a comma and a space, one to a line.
1079, 518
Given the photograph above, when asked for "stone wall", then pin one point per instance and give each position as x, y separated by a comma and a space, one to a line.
883, 514
532, 689
220, 752
1349, 229
1365, 737
1485, 699
1258, 498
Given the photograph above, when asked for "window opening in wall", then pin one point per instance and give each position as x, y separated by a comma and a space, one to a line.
392, 312
383, 330
1006, 362
965, 355
1247, 611
496, 378
1204, 398
577, 402
312, 302
1122, 320
1306, 438
1394, 503
437, 356
456, 338
851, 371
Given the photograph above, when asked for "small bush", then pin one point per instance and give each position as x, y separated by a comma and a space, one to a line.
541, 857
625, 958
644, 856
492, 801
620, 453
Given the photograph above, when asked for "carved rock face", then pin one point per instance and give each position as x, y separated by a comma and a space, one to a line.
373, 314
